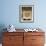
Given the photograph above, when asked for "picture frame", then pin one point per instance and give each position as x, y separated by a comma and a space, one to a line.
26, 13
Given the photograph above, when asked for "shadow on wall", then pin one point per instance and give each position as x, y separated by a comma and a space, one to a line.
2, 26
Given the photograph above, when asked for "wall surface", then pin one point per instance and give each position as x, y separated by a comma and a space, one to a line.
10, 13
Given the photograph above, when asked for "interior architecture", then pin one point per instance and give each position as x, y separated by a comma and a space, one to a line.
22, 23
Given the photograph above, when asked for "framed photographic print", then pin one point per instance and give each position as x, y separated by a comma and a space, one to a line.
26, 13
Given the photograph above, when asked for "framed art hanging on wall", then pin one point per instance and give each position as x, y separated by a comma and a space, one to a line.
26, 13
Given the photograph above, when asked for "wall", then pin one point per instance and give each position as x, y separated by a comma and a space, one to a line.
10, 13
